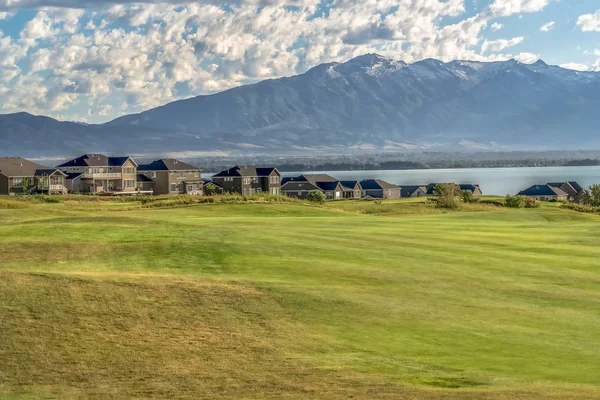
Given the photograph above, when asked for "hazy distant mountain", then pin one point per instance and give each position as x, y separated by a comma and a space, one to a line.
367, 102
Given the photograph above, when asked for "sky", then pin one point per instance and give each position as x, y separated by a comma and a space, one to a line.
95, 60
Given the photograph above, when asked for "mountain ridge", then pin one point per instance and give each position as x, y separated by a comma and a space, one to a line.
368, 102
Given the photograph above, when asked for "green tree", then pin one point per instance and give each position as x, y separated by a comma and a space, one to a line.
316, 196
592, 196
514, 201
446, 195
25, 184
210, 188
468, 197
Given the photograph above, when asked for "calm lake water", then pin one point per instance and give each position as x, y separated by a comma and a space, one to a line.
493, 181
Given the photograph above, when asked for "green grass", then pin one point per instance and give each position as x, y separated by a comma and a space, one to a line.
288, 300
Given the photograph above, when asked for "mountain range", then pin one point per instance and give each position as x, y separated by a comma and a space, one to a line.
368, 103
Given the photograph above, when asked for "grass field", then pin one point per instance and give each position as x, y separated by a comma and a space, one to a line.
286, 300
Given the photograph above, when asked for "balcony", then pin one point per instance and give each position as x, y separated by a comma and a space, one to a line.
104, 175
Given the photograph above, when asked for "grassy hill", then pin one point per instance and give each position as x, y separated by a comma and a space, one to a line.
284, 300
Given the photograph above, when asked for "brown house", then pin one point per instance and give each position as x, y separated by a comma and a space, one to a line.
18, 176
352, 189
97, 173
573, 190
248, 180
170, 176
413, 191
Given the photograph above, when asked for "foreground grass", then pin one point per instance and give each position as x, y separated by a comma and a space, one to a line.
353, 299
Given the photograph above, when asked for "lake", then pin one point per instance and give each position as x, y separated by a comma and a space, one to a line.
493, 181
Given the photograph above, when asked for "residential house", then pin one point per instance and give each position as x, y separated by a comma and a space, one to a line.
352, 189
302, 185
18, 175
144, 183
97, 173
379, 189
170, 176
572, 189
545, 193
249, 180
211, 188
413, 191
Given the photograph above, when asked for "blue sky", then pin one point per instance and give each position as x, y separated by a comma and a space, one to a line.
96, 60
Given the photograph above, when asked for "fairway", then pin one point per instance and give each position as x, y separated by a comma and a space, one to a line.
288, 300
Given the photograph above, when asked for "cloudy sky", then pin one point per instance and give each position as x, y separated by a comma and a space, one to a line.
94, 60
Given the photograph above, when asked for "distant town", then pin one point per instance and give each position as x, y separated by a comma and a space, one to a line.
98, 174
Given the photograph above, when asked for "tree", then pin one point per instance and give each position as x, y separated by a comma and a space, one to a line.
25, 184
531, 202
592, 196
468, 197
42, 183
316, 196
210, 188
514, 201
446, 195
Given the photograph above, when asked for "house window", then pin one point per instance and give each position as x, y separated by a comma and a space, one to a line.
274, 179
128, 170
17, 182
173, 187
228, 179
181, 174
95, 170
153, 174
247, 180
129, 183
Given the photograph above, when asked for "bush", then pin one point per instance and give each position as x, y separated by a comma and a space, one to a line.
531, 202
47, 199
446, 195
378, 202
468, 197
514, 201
316, 196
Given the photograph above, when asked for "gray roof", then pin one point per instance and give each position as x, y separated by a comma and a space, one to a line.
167, 164
298, 185
351, 185
143, 178
96, 160
19, 167
407, 191
246, 170
377, 184
542, 190
328, 186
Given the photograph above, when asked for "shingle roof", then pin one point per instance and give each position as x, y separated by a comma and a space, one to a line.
143, 178
318, 178
95, 160
469, 187
377, 184
48, 172
572, 188
327, 185
73, 175
576, 186
350, 185
298, 185
17, 166
167, 164
245, 170
542, 190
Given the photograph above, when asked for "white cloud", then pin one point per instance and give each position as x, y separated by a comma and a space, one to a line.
575, 66
547, 27
500, 44
589, 22
509, 7
527, 58
496, 26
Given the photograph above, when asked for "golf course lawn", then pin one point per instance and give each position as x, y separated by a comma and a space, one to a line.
288, 300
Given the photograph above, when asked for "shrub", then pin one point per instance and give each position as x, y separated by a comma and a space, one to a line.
514, 201
468, 197
531, 202
316, 196
446, 195
47, 199
210, 189
378, 202
592, 196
